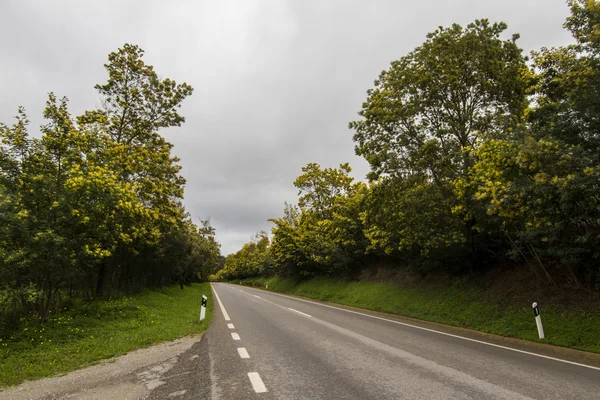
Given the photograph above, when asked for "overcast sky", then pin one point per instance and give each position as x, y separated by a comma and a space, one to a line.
276, 82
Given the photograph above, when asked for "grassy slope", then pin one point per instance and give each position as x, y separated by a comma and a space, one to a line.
456, 305
100, 330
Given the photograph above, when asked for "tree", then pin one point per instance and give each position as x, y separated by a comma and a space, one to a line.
94, 205
207, 251
320, 189
410, 217
568, 83
136, 104
325, 235
285, 247
15, 258
542, 184
436, 103
426, 114
253, 259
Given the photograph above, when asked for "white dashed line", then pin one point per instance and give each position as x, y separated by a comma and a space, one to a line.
243, 352
225, 315
257, 383
235, 336
230, 326
300, 312
258, 297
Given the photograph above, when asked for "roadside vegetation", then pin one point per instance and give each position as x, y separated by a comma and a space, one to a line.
575, 326
97, 330
92, 225
91, 206
484, 162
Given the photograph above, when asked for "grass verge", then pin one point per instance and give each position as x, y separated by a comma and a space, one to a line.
98, 330
456, 304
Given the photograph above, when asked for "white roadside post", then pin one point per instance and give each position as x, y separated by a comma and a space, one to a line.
538, 320
267, 286
203, 308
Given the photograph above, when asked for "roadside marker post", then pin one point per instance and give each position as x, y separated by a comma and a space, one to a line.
203, 308
538, 320
267, 286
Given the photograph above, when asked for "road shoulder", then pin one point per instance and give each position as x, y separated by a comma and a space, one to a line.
131, 376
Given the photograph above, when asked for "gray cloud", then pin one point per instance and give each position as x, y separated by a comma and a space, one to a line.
276, 82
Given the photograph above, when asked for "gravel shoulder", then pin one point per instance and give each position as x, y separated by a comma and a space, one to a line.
131, 376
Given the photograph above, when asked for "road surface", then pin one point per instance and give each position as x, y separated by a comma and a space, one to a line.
263, 345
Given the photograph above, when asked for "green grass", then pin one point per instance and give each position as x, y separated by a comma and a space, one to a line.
98, 330
456, 304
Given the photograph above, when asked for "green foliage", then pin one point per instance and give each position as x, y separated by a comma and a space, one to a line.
568, 81
326, 234
476, 159
421, 123
136, 101
287, 253
410, 216
543, 199
433, 105
253, 259
320, 190
542, 184
94, 205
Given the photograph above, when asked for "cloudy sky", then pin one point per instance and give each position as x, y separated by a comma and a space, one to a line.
276, 81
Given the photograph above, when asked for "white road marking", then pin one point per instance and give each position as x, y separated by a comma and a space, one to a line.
300, 312
235, 336
440, 332
257, 383
258, 297
230, 326
225, 315
243, 352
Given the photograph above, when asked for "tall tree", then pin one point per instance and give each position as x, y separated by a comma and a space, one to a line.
319, 189
568, 83
430, 109
543, 183
325, 235
442, 99
96, 203
136, 105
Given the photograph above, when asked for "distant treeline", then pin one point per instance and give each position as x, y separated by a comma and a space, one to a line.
478, 156
93, 206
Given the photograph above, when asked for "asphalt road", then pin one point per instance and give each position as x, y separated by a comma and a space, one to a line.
267, 346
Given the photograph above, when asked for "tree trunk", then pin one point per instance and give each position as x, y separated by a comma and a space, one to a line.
46, 310
100, 280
